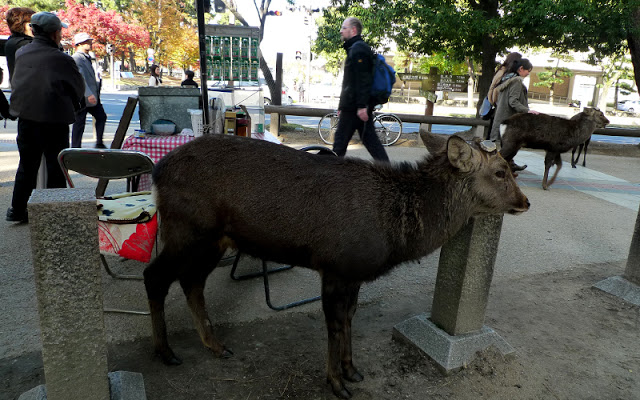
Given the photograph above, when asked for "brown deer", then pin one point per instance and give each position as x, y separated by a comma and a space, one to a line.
579, 148
349, 219
554, 135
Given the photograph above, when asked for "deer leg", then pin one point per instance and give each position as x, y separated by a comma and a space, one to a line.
548, 162
192, 280
335, 303
349, 372
557, 160
158, 277
584, 156
574, 160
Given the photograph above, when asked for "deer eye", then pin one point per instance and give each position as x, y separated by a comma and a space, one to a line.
501, 174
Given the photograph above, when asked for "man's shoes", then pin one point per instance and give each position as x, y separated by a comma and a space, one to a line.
100, 146
13, 216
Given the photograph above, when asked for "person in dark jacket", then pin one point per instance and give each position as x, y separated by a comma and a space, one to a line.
46, 92
4, 104
355, 109
189, 82
18, 21
92, 85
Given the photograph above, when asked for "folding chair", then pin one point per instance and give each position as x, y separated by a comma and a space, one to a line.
318, 150
105, 165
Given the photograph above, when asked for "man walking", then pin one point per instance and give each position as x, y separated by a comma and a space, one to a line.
46, 91
83, 43
355, 109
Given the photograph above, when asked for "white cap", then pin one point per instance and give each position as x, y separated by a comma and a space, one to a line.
81, 38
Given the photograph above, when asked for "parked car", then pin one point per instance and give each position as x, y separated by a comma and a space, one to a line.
630, 106
287, 100
325, 92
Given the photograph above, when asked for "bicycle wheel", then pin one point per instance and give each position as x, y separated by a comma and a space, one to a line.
388, 128
327, 127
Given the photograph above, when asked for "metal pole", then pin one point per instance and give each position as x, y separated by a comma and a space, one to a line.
203, 61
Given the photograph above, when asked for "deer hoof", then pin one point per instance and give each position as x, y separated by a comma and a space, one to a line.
353, 376
342, 393
169, 358
339, 389
226, 353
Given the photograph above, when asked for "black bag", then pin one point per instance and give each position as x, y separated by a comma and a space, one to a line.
487, 109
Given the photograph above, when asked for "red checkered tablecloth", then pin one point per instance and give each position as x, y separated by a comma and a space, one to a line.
155, 147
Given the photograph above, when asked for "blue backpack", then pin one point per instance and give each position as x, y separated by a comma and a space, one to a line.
383, 79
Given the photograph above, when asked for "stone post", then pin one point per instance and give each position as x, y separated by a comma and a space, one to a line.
627, 287
64, 245
455, 330
464, 276
632, 271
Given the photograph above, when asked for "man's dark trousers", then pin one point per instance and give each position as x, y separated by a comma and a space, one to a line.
348, 122
99, 116
34, 140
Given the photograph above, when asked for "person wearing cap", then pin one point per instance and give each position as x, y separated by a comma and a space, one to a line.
83, 43
46, 92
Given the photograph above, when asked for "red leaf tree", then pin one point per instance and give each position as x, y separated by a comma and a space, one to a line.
104, 27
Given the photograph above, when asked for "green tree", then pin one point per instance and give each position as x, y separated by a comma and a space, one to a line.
554, 75
38, 5
477, 31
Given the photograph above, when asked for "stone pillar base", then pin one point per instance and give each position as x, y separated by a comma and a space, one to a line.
123, 385
622, 288
451, 353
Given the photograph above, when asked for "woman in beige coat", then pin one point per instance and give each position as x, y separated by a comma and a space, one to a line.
512, 95
502, 69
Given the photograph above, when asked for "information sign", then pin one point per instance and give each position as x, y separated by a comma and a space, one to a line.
432, 83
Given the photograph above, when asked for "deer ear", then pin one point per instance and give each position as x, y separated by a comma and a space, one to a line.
434, 143
460, 154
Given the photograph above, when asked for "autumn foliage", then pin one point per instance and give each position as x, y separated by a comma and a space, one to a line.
161, 25
104, 26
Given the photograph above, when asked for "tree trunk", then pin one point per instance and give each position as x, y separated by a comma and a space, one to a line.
633, 39
132, 60
488, 68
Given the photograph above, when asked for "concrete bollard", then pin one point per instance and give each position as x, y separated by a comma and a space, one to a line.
632, 271
627, 287
64, 244
454, 331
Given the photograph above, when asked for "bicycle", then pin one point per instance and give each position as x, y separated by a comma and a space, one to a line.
388, 127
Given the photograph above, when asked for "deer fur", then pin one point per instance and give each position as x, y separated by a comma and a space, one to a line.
554, 135
574, 160
349, 219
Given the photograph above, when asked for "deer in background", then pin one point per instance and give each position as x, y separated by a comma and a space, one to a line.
554, 135
579, 148
349, 219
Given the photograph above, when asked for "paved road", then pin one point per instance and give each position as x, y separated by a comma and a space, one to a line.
114, 104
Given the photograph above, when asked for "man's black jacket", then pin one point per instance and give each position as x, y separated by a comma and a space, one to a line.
358, 75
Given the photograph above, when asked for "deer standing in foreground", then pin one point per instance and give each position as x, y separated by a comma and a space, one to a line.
349, 219
554, 135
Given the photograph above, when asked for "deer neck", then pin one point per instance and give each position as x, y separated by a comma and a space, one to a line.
434, 213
